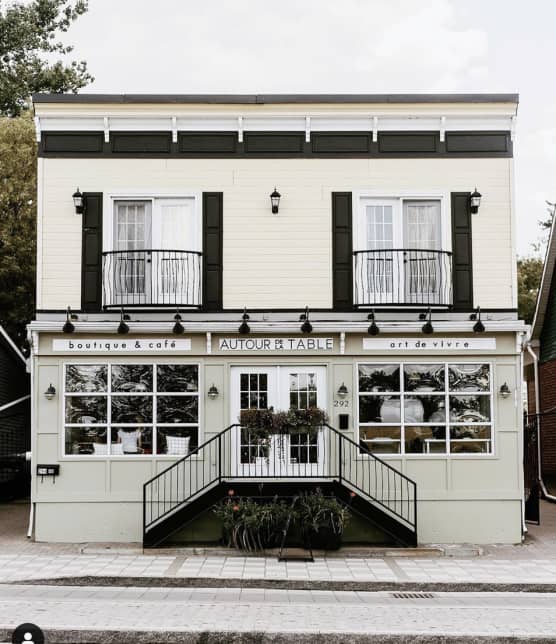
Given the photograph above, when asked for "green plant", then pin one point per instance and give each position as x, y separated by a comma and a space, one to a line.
251, 525
262, 422
319, 513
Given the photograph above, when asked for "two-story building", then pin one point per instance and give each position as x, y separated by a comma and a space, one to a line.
200, 255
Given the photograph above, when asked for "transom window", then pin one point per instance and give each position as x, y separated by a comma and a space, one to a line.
131, 409
416, 408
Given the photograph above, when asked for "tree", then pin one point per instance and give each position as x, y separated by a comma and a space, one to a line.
529, 273
18, 187
28, 32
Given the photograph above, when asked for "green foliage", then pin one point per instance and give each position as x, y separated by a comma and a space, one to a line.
263, 422
18, 181
529, 273
28, 32
256, 525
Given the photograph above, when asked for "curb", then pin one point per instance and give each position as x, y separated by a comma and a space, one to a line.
293, 584
62, 636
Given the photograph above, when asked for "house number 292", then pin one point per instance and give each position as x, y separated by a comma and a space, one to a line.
341, 403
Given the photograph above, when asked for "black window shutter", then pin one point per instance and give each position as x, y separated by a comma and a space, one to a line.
212, 250
342, 252
91, 253
462, 261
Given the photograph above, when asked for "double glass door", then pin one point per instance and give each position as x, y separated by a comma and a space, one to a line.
150, 239
280, 388
402, 238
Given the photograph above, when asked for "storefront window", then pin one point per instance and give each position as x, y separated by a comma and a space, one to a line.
131, 409
425, 408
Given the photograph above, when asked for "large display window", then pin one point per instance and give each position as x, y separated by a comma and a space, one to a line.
417, 408
131, 409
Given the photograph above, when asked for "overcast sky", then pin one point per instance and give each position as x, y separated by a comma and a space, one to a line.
368, 46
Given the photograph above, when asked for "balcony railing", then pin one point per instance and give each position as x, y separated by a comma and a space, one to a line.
169, 278
403, 277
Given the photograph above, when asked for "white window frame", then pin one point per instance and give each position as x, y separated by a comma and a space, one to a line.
108, 424
149, 195
398, 360
359, 223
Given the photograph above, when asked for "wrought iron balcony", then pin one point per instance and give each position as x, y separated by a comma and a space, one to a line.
403, 277
169, 278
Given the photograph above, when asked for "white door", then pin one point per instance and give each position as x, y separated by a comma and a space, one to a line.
301, 454
423, 275
157, 261
380, 272
176, 274
401, 264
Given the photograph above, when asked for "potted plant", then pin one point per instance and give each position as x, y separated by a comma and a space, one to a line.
322, 519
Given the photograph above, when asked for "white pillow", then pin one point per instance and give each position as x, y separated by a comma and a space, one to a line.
177, 445
117, 448
100, 449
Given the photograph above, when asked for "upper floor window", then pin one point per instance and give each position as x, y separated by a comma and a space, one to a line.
154, 253
402, 256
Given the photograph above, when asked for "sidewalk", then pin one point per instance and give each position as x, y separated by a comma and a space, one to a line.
533, 562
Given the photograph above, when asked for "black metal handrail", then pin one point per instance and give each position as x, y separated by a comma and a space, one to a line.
327, 455
151, 277
403, 277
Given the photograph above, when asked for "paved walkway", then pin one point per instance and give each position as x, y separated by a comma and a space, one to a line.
533, 562
234, 610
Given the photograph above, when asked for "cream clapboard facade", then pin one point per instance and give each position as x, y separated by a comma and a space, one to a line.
275, 266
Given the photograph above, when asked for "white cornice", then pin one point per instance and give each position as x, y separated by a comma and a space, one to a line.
304, 122
138, 328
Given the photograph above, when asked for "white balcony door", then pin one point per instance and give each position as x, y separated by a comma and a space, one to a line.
281, 388
155, 270
397, 233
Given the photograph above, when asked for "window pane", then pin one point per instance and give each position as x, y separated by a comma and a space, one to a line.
379, 409
132, 409
86, 441
381, 440
424, 409
425, 440
132, 377
86, 377
131, 440
86, 410
469, 377
465, 440
177, 441
424, 377
177, 377
469, 409
177, 409
384, 377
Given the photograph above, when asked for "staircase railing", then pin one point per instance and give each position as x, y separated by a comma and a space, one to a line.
327, 454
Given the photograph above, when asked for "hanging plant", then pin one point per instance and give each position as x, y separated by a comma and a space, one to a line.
261, 423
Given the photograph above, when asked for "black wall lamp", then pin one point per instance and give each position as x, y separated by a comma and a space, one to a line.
275, 200
342, 391
178, 326
123, 328
306, 327
244, 328
427, 328
213, 392
475, 201
68, 326
78, 202
478, 327
50, 392
505, 391
373, 327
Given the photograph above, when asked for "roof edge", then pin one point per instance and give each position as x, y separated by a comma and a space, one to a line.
262, 99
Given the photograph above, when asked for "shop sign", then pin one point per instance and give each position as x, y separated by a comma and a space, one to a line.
276, 344
124, 345
426, 345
